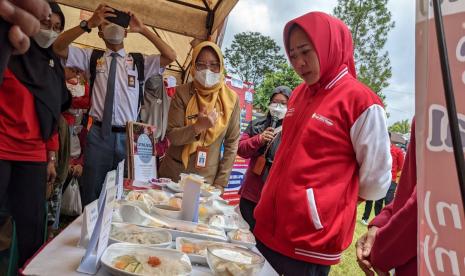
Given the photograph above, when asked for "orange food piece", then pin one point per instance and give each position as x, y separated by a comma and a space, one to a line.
154, 261
120, 265
188, 248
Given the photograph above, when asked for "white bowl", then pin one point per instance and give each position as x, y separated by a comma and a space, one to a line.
115, 250
228, 259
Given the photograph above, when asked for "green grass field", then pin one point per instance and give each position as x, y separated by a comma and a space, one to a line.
348, 265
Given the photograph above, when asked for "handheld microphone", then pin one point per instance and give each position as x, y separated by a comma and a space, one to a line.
274, 121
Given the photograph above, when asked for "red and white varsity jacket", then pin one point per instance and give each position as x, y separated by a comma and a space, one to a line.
335, 149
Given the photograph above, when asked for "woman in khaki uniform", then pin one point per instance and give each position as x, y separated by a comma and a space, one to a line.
203, 115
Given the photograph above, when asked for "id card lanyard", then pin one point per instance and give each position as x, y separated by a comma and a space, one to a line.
202, 155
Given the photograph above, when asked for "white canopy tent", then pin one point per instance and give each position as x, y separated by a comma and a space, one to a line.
180, 23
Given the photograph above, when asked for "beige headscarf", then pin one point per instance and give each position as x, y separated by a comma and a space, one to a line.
218, 96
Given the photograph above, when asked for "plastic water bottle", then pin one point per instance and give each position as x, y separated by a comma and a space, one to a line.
191, 197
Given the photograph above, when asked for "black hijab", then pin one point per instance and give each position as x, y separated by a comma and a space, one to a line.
41, 72
259, 125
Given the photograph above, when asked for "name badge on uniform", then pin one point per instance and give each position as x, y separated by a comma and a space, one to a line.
202, 155
100, 66
132, 81
130, 62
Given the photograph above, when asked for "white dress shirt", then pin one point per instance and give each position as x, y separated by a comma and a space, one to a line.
125, 106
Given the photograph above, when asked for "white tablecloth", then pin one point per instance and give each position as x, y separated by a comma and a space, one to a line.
61, 257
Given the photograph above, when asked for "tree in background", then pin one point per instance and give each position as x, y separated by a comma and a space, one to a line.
252, 56
370, 22
284, 75
402, 127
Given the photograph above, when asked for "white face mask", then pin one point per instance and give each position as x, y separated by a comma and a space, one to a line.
278, 110
45, 38
207, 78
113, 34
77, 90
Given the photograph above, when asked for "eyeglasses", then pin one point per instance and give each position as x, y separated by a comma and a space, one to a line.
214, 66
47, 25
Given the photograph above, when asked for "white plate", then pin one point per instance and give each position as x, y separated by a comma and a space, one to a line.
135, 215
175, 187
120, 249
131, 228
195, 258
174, 214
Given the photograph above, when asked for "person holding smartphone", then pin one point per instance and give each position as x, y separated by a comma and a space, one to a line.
115, 90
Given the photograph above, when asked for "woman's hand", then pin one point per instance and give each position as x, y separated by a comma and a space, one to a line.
75, 170
363, 250
51, 176
267, 135
206, 120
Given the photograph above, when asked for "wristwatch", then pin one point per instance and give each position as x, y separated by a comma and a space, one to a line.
85, 26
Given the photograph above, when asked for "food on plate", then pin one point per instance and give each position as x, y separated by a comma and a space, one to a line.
134, 234
168, 207
154, 261
141, 197
203, 212
205, 229
230, 260
128, 263
151, 265
175, 202
199, 248
149, 197
159, 197
242, 235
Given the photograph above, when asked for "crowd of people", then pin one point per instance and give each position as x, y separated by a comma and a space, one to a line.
319, 151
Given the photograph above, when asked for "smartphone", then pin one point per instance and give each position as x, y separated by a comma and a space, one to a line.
121, 18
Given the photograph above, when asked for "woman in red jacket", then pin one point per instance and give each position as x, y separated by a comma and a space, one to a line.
334, 151
32, 96
259, 142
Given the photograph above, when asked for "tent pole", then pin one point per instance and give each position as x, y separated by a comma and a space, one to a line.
450, 99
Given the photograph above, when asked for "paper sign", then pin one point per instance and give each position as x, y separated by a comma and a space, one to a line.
120, 180
100, 234
110, 181
145, 168
90, 217
106, 222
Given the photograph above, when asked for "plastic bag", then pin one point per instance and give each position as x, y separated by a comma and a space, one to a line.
71, 201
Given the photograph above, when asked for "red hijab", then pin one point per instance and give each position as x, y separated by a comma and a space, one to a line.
332, 41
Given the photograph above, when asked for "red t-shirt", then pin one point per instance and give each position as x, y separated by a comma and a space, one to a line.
397, 161
78, 103
20, 137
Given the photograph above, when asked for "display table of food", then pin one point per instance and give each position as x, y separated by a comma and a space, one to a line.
61, 257
181, 228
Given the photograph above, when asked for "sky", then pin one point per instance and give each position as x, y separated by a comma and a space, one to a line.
269, 17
